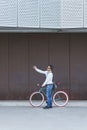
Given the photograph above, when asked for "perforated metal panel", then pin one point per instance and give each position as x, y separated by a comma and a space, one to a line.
50, 13
43, 13
8, 13
85, 13
71, 13
28, 13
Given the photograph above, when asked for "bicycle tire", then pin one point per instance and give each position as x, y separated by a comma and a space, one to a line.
36, 103
60, 98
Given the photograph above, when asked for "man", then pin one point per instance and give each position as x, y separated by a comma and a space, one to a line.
48, 83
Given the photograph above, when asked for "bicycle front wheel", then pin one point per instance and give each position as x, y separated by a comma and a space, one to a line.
36, 99
60, 98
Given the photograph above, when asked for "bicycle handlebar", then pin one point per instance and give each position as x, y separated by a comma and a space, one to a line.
38, 85
58, 83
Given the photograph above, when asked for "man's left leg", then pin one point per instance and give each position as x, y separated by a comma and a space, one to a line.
49, 95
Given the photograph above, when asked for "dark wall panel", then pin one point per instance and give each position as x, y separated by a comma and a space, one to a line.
38, 48
4, 91
59, 57
78, 66
18, 66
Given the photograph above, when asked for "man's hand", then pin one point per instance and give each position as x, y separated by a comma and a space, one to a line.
34, 67
42, 86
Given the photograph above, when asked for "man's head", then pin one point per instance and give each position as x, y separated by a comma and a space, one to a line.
50, 68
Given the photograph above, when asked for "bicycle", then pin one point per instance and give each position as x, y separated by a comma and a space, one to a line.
60, 98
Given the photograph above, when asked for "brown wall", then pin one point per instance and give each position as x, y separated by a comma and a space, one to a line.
19, 52
78, 66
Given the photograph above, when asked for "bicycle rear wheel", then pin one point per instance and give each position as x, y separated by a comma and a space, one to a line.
60, 98
36, 99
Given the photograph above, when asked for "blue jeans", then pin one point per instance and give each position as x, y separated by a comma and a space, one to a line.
49, 89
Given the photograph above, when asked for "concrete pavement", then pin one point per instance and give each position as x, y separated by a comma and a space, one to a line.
71, 103
20, 115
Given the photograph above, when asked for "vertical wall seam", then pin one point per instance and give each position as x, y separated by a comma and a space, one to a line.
69, 67
29, 63
48, 49
8, 69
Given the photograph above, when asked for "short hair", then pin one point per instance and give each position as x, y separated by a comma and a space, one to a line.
51, 66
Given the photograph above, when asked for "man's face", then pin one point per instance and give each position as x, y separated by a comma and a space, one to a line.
48, 68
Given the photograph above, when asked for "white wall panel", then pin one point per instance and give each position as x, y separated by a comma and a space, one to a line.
50, 13
8, 13
28, 13
71, 13
43, 13
85, 13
